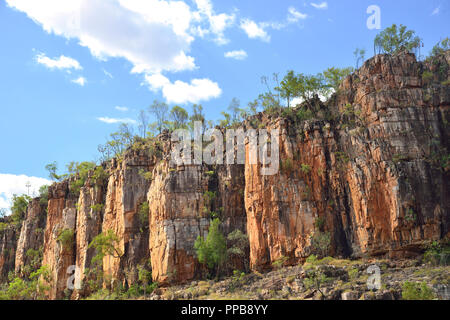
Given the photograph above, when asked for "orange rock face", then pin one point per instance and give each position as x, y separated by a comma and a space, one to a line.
8, 244
59, 256
373, 175
126, 192
371, 169
31, 234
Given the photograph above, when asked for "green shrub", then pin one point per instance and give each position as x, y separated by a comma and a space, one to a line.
99, 175
66, 238
147, 175
417, 291
143, 213
319, 223
320, 243
437, 254
3, 226
19, 209
427, 76
212, 251
43, 195
304, 114
410, 216
98, 207
237, 280
286, 165
306, 168
353, 273
80, 171
342, 157
279, 263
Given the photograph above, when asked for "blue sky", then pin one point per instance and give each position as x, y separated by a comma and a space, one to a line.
65, 66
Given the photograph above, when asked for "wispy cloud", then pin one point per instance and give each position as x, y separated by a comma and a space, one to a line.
61, 63
259, 30
116, 120
295, 16
80, 81
320, 6
236, 54
123, 109
109, 75
436, 11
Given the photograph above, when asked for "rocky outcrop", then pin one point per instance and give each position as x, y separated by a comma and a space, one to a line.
126, 193
8, 244
31, 236
374, 171
59, 245
88, 226
370, 169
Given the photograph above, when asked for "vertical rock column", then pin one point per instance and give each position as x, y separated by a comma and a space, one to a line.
127, 190
88, 225
31, 234
177, 217
8, 243
59, 256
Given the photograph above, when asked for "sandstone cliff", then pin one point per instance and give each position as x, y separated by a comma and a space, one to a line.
371, 169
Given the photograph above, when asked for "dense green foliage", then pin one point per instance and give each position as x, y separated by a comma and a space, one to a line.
106, 244
43, 195
66, 237
440, 47
314, 278
179, 117
395, 39
33, 288
212, 251
417, 291
437, 254
334, 76
143, 213
19, 209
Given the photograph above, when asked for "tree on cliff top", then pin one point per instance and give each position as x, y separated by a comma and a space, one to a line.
19, 208
52, 168
395, 39
159, 110
334, 76
179, 117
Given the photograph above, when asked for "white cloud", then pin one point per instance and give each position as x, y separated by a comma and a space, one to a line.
258, 30
152, 34
80, 81
155, 36
218, 23
323, 97
320, 6
253, 30
295, 16
122, 109
61, 63
109, 75
182, 92
237, 54
116, 120
436, 11
11, 184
